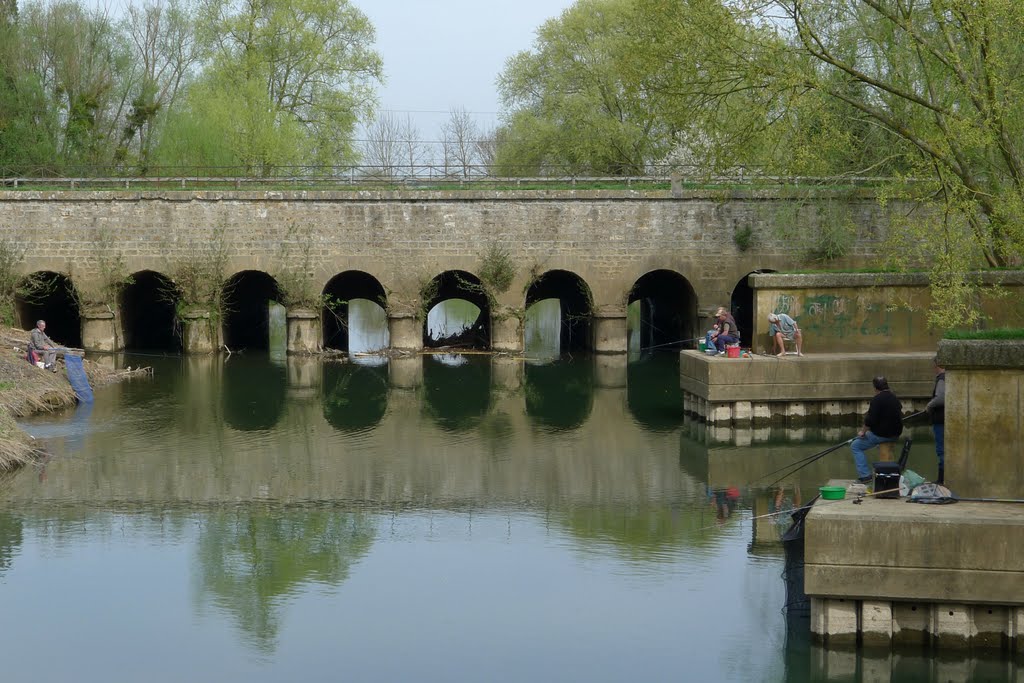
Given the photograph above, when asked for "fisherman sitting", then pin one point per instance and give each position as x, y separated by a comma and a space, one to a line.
784, 329
43, 346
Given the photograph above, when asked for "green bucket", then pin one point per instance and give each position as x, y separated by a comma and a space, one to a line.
702, 345
833, 492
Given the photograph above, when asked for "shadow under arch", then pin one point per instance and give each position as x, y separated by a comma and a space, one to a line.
148, 308
560, 395
49, 296
254, 392
355, 396
576, 307
456, 390
741, 305
464, 286
662, 312
341, 294
653, 394
246, 319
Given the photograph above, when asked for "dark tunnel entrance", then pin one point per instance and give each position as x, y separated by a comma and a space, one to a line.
575, 308
742, 307
354, 314
458, 312
51, 297
246, 319
148, 313
662, 312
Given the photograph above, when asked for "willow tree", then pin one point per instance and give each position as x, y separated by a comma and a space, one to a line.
285, 83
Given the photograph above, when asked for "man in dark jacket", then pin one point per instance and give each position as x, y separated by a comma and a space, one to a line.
883, 423
937, 412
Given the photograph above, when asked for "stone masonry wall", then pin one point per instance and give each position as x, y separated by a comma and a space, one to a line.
608, 238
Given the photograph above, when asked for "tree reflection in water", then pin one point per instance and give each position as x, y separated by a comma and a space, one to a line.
251, 560
355, 396
456, 390
10, 538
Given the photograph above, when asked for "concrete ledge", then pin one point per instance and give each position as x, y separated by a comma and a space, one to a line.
981, 353
737, 391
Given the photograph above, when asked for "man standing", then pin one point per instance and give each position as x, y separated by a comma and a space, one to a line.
883, 423
44, 345
784, 329
937, 412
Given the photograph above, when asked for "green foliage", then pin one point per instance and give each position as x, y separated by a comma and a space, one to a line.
995, 333
198, 278
743, 237
497, 269
10, 257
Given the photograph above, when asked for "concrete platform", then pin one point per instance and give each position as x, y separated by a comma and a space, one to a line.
883, 571
813, 388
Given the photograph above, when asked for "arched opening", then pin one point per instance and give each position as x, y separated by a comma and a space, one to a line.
456, 390
354, 315
559, 307
246, 319
355, 396
49, 296
560, 395
254, 392
148, 313
741, 305
662, 312
458, 312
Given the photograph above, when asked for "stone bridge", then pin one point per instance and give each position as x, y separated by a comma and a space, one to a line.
184, 270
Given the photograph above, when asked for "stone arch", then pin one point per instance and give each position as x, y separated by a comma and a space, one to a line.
356, 303
662, 312
741, 304
455, 325
246, 321
46, 295
575, 308
148, 312
560, 395
456, 390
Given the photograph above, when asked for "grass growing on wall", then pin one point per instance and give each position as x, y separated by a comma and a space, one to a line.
996, 333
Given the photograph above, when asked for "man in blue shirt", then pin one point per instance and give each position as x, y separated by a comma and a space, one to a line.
784, 329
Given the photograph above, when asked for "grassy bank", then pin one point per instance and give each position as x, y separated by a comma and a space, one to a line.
26, 389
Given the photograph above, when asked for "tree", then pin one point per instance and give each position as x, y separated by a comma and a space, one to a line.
460, 139
165, 50
285, 82
576, 104
393, 146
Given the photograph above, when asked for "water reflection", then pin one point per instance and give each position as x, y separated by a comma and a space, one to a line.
253, 392
560, 394
457, 396
249, 561
654, 393
355, 396
10, 538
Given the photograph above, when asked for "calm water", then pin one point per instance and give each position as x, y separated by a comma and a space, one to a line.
441, 518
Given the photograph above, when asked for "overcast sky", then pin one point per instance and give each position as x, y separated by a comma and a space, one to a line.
440, 54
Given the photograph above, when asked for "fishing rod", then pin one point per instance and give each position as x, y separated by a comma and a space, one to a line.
804, 462
672, 343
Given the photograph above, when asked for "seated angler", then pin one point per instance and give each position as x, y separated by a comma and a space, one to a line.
728, 333
784, 329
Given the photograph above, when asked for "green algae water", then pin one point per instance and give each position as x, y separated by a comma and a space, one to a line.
433, 518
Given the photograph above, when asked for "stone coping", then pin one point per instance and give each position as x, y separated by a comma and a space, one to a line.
624, 194
981, 353
839, 280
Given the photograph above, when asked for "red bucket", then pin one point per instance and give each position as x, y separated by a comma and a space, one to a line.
732, 352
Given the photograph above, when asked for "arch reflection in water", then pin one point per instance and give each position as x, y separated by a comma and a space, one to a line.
654, 395
250, 560
560, 394
254, 392
355, 395
456, 390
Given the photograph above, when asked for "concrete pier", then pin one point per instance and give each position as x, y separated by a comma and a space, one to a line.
813, 388
883, 572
